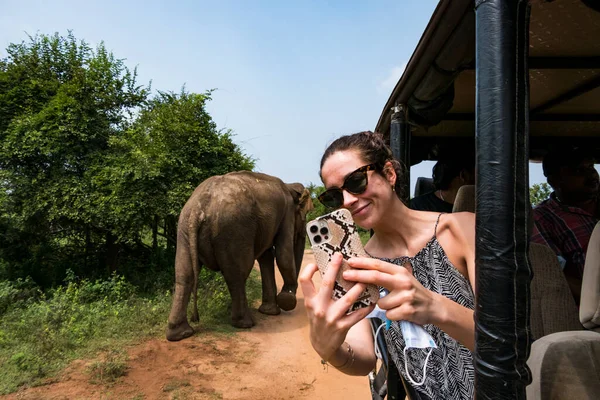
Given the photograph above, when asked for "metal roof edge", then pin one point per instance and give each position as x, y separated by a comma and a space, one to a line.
446, 17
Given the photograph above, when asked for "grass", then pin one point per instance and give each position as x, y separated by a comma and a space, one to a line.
42, 334
108, 370
174, 385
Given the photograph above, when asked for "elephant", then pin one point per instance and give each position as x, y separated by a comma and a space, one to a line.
228, 222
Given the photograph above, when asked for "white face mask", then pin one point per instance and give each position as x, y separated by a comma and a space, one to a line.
416, 337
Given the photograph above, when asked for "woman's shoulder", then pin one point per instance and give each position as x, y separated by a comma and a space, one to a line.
460, 224
462, 218
457, 238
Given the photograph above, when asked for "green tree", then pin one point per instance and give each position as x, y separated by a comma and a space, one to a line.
320, 209
539, 192
90, 165
60, 104
168, 151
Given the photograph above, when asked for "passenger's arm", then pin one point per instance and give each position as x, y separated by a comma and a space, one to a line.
454, 319
408, 300
360, 339
331, 329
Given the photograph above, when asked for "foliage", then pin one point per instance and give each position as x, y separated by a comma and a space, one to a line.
60, 104
171, 147
320, 209
17, 294
365, 235
539, 192
93, 170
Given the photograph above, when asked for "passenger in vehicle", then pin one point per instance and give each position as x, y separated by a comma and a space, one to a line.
425, 260
566, 220
454, 168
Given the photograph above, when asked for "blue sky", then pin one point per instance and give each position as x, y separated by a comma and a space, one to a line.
290, 76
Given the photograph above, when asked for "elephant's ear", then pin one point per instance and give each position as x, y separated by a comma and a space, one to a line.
306, 203
301, 196
296, 189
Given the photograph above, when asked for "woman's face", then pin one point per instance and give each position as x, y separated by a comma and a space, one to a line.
367, 208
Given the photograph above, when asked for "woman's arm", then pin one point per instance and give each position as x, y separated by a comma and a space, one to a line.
454, 319
331, 329
408, 300
361, 359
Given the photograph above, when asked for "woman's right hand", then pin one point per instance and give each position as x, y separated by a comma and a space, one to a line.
328, 320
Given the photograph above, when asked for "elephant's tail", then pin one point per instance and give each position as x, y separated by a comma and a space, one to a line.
194, 226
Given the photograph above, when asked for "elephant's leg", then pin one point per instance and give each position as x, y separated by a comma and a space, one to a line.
284, 253
236, 267
178, 327
299, 243
269, 288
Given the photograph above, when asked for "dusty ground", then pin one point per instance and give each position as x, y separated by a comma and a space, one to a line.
273, 360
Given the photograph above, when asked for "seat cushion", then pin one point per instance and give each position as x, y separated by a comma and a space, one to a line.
553, 308
564, 366
589, 308
423, 186
465, 199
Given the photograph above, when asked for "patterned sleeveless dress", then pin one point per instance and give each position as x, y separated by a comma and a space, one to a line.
450, 373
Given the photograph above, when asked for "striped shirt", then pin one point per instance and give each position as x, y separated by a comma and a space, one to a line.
566, 230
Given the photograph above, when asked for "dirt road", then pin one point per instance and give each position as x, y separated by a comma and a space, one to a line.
273, 360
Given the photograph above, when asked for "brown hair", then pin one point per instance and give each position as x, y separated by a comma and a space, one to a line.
373, 150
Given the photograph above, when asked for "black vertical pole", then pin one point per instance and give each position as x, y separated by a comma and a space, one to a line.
400, 144
503, 273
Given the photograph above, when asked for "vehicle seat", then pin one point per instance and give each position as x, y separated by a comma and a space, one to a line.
589, 311
565, 365
564, 358
423, 186
465, 199
553, 308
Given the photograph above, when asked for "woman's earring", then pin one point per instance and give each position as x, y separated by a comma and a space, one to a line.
393, 188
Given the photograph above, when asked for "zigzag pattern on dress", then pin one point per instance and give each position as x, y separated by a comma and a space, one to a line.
450, 373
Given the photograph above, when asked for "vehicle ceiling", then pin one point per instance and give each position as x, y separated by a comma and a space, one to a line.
438, 84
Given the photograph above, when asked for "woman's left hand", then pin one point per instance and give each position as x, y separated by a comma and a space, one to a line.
407, 299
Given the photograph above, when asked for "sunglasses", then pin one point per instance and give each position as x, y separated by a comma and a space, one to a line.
355, 183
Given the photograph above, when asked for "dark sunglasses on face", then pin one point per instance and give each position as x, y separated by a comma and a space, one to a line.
355, 183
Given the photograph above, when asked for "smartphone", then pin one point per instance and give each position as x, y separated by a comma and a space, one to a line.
336, 233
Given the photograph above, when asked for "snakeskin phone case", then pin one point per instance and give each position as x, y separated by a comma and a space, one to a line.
336, 232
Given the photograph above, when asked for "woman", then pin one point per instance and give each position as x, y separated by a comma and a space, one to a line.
425, 260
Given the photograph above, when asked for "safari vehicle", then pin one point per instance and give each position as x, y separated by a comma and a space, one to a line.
513, 79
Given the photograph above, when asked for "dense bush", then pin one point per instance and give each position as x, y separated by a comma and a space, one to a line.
17, 294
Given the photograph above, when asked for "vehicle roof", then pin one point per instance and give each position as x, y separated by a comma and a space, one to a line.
438, 84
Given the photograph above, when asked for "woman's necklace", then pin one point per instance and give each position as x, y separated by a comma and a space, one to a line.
441, 195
